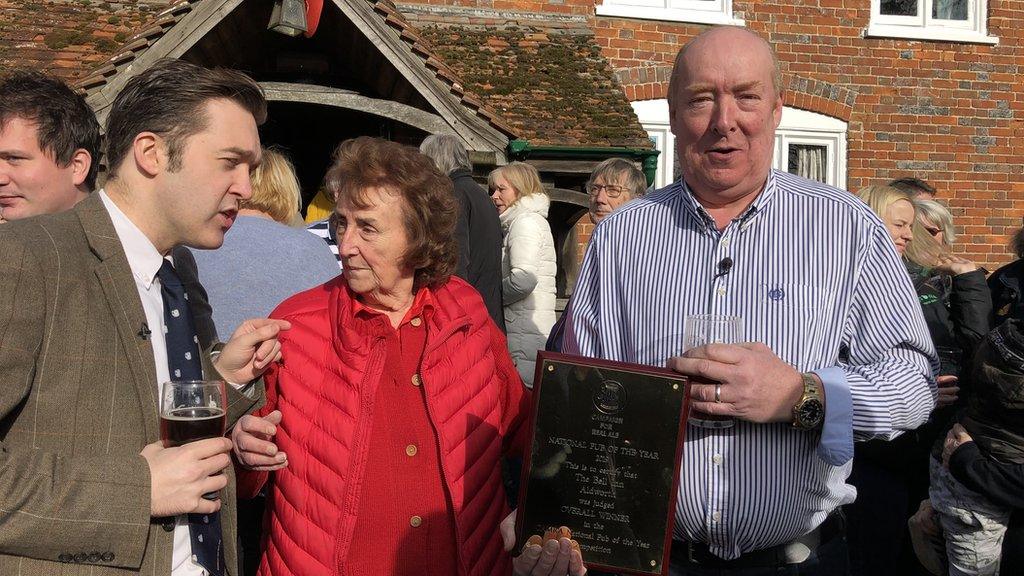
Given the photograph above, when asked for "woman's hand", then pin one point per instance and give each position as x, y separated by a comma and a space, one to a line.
553, 558
954, 265
252, 443
925, 519
948, 390
957, 437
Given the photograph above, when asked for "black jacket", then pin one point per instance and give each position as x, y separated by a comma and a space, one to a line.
1007, 286
957, 313
478, 233
1001, 483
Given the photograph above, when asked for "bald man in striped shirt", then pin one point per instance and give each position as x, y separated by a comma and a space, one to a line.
836, 344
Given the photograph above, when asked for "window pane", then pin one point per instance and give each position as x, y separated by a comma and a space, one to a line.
949, 9
809, 161
899, 7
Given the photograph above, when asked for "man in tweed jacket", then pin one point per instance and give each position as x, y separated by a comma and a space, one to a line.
85, 485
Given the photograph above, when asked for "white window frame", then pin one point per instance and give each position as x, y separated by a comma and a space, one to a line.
805, 127
653, 116
923, 27
696, 11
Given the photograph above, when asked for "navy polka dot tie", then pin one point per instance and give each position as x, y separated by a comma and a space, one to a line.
184, 363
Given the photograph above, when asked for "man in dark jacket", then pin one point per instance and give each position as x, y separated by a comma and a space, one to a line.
1007, 285
477, 230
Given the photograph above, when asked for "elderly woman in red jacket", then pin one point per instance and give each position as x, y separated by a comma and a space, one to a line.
385, 425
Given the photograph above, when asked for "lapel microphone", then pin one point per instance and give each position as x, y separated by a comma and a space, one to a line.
144, 332
724, 266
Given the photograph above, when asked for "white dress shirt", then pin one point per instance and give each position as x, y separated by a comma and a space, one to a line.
145, 262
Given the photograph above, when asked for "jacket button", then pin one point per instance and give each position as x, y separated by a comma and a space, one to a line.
107, 557
416, 321
66, 558
81, 557
416, 380
415, 521
410, 450
168, 525
94, 557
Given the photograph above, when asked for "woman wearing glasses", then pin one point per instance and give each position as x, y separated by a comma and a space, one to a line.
527, 263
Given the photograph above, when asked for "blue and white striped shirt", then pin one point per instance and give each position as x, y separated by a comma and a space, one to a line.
816, 278
325, 230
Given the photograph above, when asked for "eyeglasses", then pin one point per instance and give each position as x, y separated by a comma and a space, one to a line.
612, 190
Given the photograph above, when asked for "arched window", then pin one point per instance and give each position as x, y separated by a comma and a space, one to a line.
806, 143
811, 145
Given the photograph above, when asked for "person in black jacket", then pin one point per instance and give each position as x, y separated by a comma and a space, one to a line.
1007, 285
985, 462
477, 231
1002, 483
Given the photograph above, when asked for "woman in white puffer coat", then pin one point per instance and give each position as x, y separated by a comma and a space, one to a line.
527, 263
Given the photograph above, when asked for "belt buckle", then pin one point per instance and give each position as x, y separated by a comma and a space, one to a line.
689, 552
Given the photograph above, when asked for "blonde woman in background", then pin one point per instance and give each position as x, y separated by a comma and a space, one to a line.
263, 259
528, 261
953, 293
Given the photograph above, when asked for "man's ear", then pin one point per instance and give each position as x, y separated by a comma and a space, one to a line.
81, 162
150, 153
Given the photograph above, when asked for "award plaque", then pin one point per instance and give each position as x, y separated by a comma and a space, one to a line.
603, 460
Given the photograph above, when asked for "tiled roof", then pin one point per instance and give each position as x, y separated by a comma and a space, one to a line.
536, 78
68, 38
546, 77
409, 34
87, 43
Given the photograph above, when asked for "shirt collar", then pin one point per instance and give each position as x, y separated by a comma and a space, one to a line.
143, 257
423, 302
756, 207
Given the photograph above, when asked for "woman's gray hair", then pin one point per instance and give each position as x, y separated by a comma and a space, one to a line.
447, 152
937, 214
622, 172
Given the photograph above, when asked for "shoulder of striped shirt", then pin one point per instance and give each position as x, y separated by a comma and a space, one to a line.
784, 181
318, 228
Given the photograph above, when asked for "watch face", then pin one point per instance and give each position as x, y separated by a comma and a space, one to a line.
810, 413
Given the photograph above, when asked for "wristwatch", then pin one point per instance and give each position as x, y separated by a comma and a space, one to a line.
809, 410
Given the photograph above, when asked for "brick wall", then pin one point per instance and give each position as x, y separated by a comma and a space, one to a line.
952, 114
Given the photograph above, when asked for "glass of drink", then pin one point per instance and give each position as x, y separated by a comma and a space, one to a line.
703, 329
192, 410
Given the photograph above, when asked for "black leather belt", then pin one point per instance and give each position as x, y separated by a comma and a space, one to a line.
698, 554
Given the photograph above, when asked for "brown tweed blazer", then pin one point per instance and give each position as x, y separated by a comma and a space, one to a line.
78, 401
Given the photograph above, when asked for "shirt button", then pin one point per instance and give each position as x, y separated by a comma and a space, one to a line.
725, 243
415, 521
416, 380
410, 450
716, 516
721, 291
717, 459
416, 321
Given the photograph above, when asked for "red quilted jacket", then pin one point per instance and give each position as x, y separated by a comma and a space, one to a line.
325, 389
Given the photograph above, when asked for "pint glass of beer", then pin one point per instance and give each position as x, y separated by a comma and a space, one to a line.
192, 410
